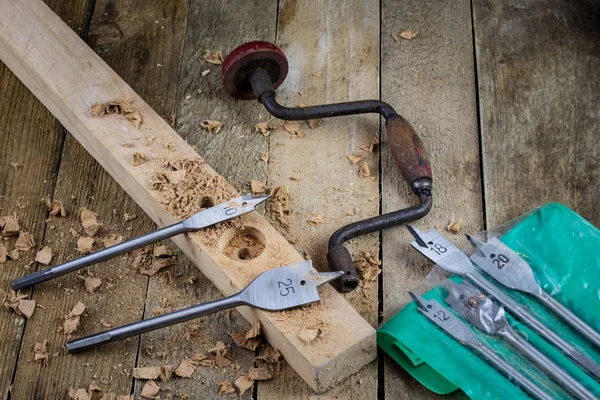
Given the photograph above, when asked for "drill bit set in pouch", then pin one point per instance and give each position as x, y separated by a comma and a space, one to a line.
518, 318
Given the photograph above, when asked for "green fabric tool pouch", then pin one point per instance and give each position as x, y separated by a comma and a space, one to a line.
563, 250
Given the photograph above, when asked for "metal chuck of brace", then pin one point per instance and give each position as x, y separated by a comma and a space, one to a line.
255, 69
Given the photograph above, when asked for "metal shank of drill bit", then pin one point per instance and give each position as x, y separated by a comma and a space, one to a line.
219, 213
458, 330
277, 289
450, 262
480, 311
508, 268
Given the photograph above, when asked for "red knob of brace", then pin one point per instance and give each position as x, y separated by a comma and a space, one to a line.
247, 58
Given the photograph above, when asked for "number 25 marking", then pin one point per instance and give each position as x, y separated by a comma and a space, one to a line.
287, 287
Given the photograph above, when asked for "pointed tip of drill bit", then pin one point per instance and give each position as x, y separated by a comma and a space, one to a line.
418, 300
321, 278
417, 235
476, 244
251, 200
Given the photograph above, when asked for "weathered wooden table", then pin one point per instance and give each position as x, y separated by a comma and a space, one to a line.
505, 96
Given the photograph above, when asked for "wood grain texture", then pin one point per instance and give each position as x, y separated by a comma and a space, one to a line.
539, 91
31, 143
430, 81
63, 95
135, 55
332, 51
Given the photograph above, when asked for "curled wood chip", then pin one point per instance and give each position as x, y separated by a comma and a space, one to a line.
44, 256
84, 244
120, 107
292, 127
124, 397
270, 355
94, 388
211, 126
40, 352
222, 355
89, 221
73, 319
165, 372
312, 123
315, 221
18, 303
138, 158
91, 283
356, 158
78, 394
263, 127
14, 254
162, 251
3, 254
372, 146
10, 226
185, 369
248, 339
260, 374
25, 241
408, 34
175, 177
112, 240
129, 217
157, 265
150, 389
367, 265
213, 57
243, 383
264, 157
308, 334
225, 388
454, 226
364, 170
257, 187
145, 373
55, 208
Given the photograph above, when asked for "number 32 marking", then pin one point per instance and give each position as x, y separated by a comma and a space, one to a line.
286, 288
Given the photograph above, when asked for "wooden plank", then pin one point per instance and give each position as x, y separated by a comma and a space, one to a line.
217, 29
332, 49
133, 45
539, 91
70, 96
31, 143
430, 81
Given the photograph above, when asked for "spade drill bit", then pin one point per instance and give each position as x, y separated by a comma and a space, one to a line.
447, 256
458, 330
508, 268
487, 316
276, 289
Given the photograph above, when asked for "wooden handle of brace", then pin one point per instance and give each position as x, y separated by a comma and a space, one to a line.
407, 150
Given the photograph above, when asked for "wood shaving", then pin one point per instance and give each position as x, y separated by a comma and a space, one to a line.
91, 283
249, 339
3, 254
315, 221
408, 34
372, 147
112, 240
356, 158
14, 254
138, 158
243, 383
279, 206
78, 394
84, 244
367, 266
213, 57
10, 226
120, 107
257, 187
146, 373
157, 265
25, 241
40, 352
175, 176
162, 251
185, 369
259, 374
364, 170
225, 388
454, 226
18, 303
264, 157
206, 72
55, 208
94, 388
222, 356
89, 222
44, 256
73, 318
312, 123
270, 356
263, 127
292, 127
129, 217
211, 126
165, 372
150, 389
125, 397
308, 334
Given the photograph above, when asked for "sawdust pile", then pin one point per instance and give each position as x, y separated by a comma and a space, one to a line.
73, 318
249, 339
367, 266
279, 206
55, 208
40, 352
257, 187
119, 107
194, 190
19, 304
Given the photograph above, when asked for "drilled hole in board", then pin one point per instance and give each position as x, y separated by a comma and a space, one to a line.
242, 244
206, 202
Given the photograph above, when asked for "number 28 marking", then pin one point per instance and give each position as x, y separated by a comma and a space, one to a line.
286, 288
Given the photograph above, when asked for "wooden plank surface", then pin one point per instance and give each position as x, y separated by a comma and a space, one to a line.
430, 81
352, 348
332, 48
31, 143
539, 92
